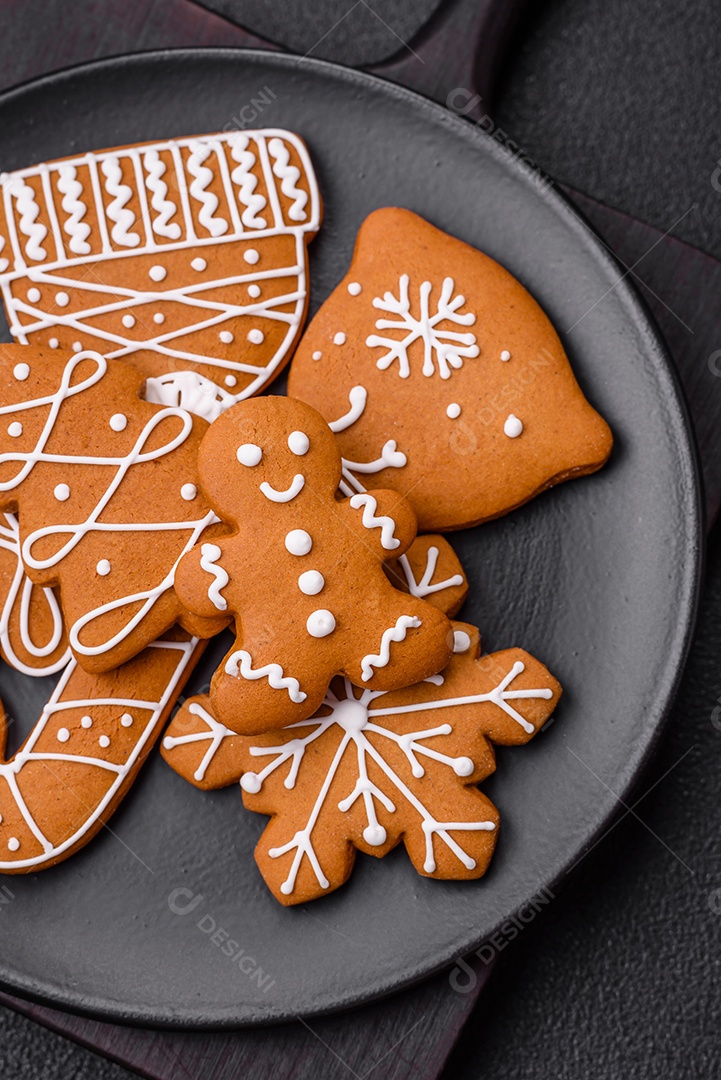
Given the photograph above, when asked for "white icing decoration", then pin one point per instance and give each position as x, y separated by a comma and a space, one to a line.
512, 427
126, 719
246, 181
230, 380
164, 207
188, 492
62, 492
104, 741
13, 843
317, 354
320, 623
461, 641
188, 390
441, 347
53, 343
122, 217
311, 582
294, 489
339, 338
63, 734
15, 429
298, 542
256, 337
71, 189
240, 665
21, 372
86, 721
128, 321
370, 521
198, 264
34, 295
103, 567
217, 732
157, 273
62, 299
391, 457
505, 355
424, 586
355, 288
60, 701
225, 336
249, 454
203, 176
136, 177
393, 633
298, 443
209, 555
289, 175
118, 421
453, 411
77, 346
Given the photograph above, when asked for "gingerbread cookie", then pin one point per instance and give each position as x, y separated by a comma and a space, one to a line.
372, 769
32, 635
302, 573
443, 377
84, 753
431, 570
186, 257
107, 491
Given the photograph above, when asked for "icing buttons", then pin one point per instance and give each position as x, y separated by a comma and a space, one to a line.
298, 542
320, 623
311, 582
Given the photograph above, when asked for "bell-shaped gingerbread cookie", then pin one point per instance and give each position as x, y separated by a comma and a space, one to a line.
443, 378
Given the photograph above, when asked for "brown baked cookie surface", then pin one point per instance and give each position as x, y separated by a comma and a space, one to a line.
303, 572
186, 257
107, 494
371, 769
443, 378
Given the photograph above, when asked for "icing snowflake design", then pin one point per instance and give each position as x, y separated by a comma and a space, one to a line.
442, 347
372, 768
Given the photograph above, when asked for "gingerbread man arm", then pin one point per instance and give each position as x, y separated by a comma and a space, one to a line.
385, 521
200, 578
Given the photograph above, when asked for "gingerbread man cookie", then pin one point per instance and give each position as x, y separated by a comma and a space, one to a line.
186, 257
107, 491
302, 573
443, 377
373, 768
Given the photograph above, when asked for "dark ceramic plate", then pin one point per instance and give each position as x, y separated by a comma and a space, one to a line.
598, 579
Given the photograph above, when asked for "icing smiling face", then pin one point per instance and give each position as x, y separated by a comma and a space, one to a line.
303, 573
442, 376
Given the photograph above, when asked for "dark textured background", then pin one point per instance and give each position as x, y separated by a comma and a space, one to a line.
620, 974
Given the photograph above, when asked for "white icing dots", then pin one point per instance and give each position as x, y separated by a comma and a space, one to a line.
320, 623
33, 295
53, 343
256, 337
251, 256
158, 318
505, 355
21, 372
512, 427
13, 843
225, 336
339, 338
86, 722
355, 288
298, 443
463, 766
375, 835
63, 734
461, 641
62, 299
126, 720
251, 783
254, 291
104, 741
15, 429
62, 492
118, 421
77, 346
157, 273
298, 542
453, 411
188, 492
199, 264
317, 354
128, 321
230, 380
311, 582
103, 567
249, 454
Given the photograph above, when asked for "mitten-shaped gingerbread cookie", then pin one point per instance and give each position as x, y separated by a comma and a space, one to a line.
107, 492
302, 573
443, 377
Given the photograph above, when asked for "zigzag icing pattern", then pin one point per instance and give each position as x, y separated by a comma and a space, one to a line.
118, 212
71, 189
247, 182
164, 207
240, 664
393, 633
370, 521
209, 555
289, 176
29, 211
202, 177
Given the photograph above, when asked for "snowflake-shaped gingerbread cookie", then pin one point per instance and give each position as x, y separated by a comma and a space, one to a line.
442, 377
373, 768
